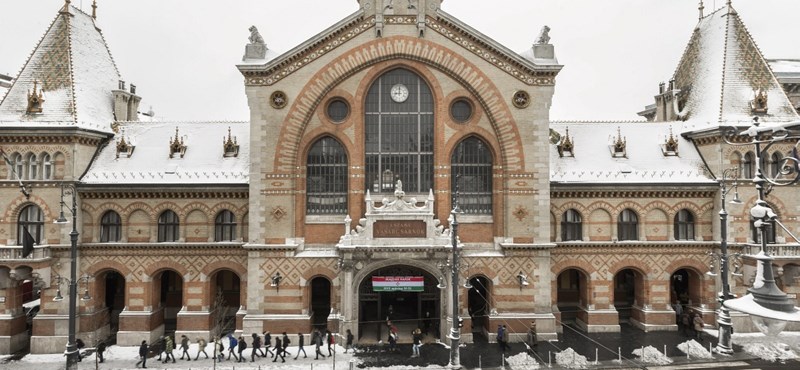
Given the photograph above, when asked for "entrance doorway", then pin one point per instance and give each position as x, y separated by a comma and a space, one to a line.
625, 288
226, 300
114, 299
406, 310
571, 297
479, 306
686, 287
170, 295
320, 302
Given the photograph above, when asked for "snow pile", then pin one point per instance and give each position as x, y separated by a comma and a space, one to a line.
694, 349
770, 351
572, 360
652, 356
522, 361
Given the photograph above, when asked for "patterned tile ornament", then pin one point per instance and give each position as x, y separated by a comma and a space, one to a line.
54, 66
278, 213
750, 62
521, 213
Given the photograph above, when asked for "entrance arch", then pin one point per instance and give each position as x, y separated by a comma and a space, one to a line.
225, 301
407, 309
572, 297
686, 287
113, 291
628, 290
479, 306
320, 301
168, 287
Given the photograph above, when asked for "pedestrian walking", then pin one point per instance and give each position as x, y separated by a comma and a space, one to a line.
286, 342
241, 348
232, 345
169, 347
685, 323
142, 355
201, 347
317, 339
101, 347
331, 341
300, 341
185, 348
698, 326
256, 348
532, 335
162, 347
417, 340
268, 343
392, 340
349, 343
80, 345
501, 335
279, 349
220, 349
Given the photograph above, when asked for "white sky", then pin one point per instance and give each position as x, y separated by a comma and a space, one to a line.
181, 54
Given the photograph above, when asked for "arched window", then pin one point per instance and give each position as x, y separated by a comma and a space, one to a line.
748, 170
33, 167
168, 227
110, 227
47, 167
225, 227
628, 225
571, 226
775, 164
19, 167
684, 225
471, 172
399, 133
326, 178
30, 218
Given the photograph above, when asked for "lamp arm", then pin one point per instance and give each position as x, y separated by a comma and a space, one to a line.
786, 230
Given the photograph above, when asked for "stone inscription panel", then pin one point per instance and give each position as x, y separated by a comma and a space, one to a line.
399, 229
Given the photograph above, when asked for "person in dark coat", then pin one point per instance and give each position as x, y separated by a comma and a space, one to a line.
185, 348
162, 347
101, 347
242, 347
142, 355
317, 339
301, 341
80, 345
268, 343
279, 349
256, 348
349, 341
331, 341
417, 336
286, 342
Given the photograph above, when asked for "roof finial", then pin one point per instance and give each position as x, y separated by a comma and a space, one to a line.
94, 9
701, 9
65, 9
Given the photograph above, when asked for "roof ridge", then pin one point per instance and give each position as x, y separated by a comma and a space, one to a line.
30, 56
725, 56
72, 71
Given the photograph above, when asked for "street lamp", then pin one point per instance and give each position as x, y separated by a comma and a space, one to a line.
455, 330
72, 348
768, 307
723, 315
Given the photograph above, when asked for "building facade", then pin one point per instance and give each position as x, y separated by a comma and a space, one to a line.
333, 205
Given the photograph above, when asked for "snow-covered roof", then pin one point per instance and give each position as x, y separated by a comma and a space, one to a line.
76, 73
720, 72
644, 161
203, 161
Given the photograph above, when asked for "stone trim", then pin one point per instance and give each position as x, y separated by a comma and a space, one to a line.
590, 193
166, 194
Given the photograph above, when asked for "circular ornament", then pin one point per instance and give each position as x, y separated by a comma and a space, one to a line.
521, 99
338, 110
461, 110
399, 93
278, 99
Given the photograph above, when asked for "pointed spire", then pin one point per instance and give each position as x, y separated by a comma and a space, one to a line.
65, 9
700, 8
94, 9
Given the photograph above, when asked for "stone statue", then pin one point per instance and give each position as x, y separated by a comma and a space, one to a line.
544, 36
399, 185
255, 37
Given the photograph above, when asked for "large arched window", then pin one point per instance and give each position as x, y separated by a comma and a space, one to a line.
168, 226
684, 225
571, 226
326, 178
225, 227
110, 227
31, 219
628, 225
748, 169
399, 133
472, 174
47, 166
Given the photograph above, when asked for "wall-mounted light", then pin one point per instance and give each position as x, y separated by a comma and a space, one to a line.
441, 284
523, 280
467, 285
59, 280
276, 281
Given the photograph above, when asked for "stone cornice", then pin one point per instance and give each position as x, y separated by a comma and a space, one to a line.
28, 138
208, 192
645, 247
706, 191
95, 249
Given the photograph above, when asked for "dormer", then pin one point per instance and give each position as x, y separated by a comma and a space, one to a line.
176, 145
35, 100
759, 103
124, 149
230, 148
618, 146
670, 146
565, 147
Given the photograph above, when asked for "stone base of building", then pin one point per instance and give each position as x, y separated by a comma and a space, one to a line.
13, 333
48, 344
13, 343
135, 338
276, 323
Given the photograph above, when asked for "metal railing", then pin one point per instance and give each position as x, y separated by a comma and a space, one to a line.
14, 253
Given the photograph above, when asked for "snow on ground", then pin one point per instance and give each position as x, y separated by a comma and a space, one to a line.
652, 356
572, 360
694, 349
785, 346
522, 361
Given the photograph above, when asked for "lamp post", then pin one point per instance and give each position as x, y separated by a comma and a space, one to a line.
72, 348
455, 331
768, 307
723, 315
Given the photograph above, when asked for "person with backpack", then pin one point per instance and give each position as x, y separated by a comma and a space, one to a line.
256, 348
162, 347
185, 348
101, 347
331, 341
232, 344
169, 347
142, 355
301, 340
242, 347
317, 339
79, 344
286, 342
268, 343
349, 343
201, 347
220, 349
279, 349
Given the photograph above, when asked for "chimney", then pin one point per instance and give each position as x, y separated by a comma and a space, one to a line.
126, 103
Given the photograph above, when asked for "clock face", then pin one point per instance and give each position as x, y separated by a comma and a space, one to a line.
399, 93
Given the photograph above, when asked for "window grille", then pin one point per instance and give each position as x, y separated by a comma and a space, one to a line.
684, 225
628, 225
571, 226
471, 164
225, 227
326, 178
110, 227
30, 218
168, 227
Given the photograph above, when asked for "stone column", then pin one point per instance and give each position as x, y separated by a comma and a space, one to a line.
13, 333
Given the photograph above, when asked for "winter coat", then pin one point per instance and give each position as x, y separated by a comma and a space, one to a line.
417, 337
201, 343
301, 339
698, 323
143, 350
242, 345
184, 343
170, 345
350, 339
286, 341
278, 343
267, 339
331, 340
256, 341
232, 342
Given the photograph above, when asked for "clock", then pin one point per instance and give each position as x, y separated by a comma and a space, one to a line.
399, 93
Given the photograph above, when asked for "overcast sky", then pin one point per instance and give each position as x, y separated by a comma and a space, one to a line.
181, 54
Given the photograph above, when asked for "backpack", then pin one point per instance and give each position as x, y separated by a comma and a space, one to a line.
244, 345
234, 342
